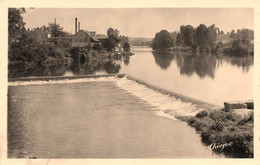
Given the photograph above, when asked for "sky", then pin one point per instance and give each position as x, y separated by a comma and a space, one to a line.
140, 22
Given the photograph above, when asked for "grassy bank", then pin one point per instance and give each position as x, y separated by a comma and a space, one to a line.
225, 133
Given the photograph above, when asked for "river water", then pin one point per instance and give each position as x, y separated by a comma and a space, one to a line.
206, 77
119, 118
103, 118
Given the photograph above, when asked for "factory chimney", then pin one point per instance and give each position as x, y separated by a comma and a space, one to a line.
76, 20
78, 26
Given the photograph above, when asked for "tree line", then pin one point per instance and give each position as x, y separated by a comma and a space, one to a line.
204, 39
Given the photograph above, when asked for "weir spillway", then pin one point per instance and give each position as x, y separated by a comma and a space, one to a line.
170, 102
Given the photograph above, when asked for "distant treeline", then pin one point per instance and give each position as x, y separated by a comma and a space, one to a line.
137, 41
205, 39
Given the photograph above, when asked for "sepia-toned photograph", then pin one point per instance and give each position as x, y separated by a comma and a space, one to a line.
130, 83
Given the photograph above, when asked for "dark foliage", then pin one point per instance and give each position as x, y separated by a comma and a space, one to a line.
220, 127
202, 114
162, 40
126, 47
97, 47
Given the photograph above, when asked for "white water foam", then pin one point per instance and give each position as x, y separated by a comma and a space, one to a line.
168, 106
63, 81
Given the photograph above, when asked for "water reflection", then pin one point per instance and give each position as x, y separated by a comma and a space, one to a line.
56, 70
244, 63
81, 67
187, 64
112, 67
163, 58
127, 61
91, 67
202, 65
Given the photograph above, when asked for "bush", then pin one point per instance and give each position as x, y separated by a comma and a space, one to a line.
77, 52
97, 47
206, 138
217, 127
34, 54
237, 48
202, 114
94, 54
88, 47
220, 127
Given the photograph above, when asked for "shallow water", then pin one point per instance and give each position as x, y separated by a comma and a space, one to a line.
105, 118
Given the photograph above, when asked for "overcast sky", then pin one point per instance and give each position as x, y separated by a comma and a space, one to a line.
140, 22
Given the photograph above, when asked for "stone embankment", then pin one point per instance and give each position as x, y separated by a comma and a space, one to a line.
243, 108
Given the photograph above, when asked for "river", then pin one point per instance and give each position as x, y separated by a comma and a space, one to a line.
208, 78
119, 118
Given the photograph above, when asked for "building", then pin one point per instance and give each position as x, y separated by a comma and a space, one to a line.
39, 35
65, 41
102, 38
83, 38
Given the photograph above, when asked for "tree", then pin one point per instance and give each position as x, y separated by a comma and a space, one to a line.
113, 39
239, 49
188, 35
232, 34
25, 39
201, 36
112, 32
246, 36
174, 38
78, 52
205, 37
56, 30
126, 47
179, 39
15, 21
123, 39
212, 36
162, 40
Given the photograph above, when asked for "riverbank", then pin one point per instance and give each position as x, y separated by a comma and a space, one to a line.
228, 133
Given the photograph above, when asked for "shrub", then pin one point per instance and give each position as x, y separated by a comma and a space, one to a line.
206, 137
202, 114
191, 121
97, 47
222, 127
77, 52
217, 126
88, 47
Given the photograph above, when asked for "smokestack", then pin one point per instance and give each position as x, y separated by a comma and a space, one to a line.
55, 21
76, 20
79, 26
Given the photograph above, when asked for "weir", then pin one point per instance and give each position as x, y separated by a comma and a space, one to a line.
176, 95
64, 77
183, 98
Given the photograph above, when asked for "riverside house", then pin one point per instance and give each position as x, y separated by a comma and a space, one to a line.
83, 38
